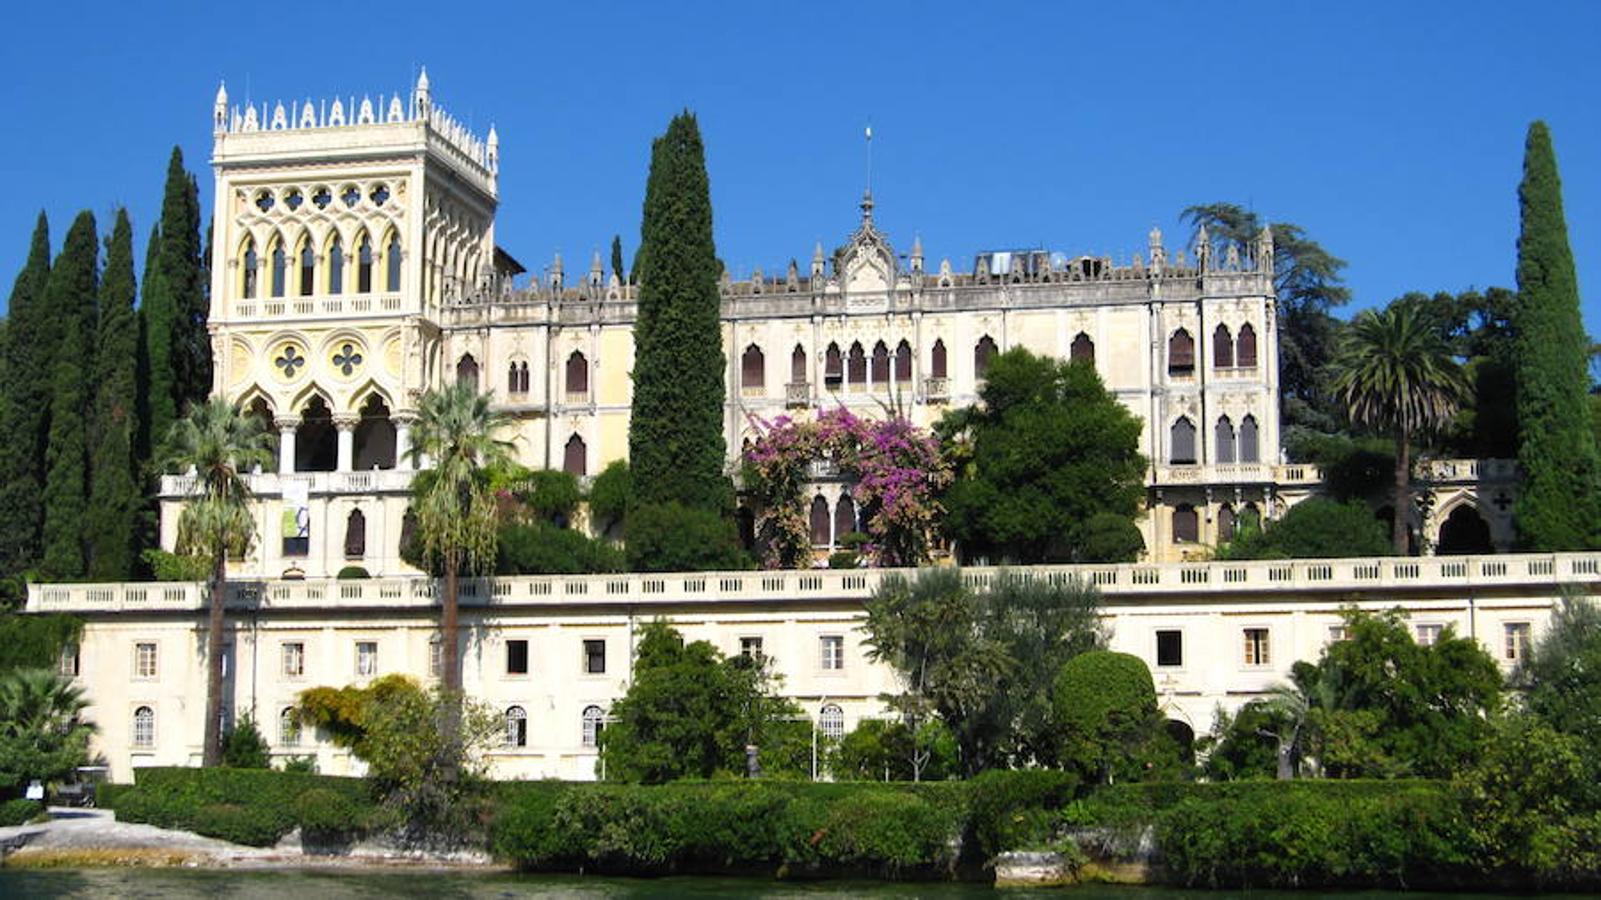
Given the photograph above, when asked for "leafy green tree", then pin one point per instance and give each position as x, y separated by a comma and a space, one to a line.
455, 509
540, 548
980, 663
1560, 505
611, 495
1111, 731
114, 495
177, 349
74, 284
675, 435
25, 356
617, 258
218, 443
36, 641
879, 750
1309, 282
243, 747
1047, 451
1243, 745
672, 537
1562, 676
41, 733
1313, 529
1394, 374
690, 713
1477, 328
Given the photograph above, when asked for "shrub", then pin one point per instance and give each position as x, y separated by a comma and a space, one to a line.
1105, 708
671, 537
19, 811
1313, 529
541, 548
1017, 810
611, 496
352, 572
303, 765
166, 566
324, 813
243, 747
1110, 538
248, 806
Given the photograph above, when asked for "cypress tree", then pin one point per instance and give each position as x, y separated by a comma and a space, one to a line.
114, 496
24, 402
1558, 509
617, 257
70, 299
176, 348
675, 436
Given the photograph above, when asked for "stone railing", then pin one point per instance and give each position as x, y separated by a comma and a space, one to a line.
271, 483
1267, 580
937, 390
798, 394
1240, 473
317, 306
1437, 470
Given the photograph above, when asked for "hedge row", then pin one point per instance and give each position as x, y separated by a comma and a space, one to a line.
19, 811
247, 806
1289, 834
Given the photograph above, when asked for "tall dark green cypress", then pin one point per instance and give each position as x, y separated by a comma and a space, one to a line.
1560, 507
114, 496
24, 406
176, 349
617, 257
74, 284
675, 436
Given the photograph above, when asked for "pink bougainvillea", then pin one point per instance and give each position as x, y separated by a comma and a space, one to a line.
896, 466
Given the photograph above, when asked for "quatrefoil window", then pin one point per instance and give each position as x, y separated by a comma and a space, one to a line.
293, 200
264, 201
379, 195
351, 196
322, 198
347, 359
290, 361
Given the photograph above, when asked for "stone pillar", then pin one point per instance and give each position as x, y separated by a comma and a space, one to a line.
286, 443
403, 443
346, 426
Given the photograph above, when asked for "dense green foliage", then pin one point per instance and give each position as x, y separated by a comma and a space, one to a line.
35, 641
176, 355
1477, 328
672, 537
981, 661
675, 435
1395, 375
243, 747
617, 269
611, 495
18, 811
1562, 676
1313, 529
690, 713
74, 284
1105, 706
1048, 467
541, 548
115, 500
1560, 505
166, 566
879, 750
42, 735
246, 806
1310, 285
25, 353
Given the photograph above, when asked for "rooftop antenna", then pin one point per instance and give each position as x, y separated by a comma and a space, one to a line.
869, 158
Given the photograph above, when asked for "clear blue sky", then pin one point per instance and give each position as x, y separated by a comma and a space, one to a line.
1393, 132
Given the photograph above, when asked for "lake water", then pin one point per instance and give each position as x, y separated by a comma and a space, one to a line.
181, 884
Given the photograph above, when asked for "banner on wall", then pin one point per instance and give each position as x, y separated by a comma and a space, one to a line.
296, 524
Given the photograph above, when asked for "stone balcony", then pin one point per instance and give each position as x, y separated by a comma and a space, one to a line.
1239, 473
1128, 584
316, 306
271, 484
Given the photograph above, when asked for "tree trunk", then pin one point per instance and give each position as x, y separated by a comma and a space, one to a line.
1403, 491
211, 752
450, 661
1286, 759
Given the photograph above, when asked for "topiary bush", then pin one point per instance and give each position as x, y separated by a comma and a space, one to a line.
352, 573
248, 806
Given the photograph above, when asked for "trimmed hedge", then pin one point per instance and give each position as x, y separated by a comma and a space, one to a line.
246, 806
19, 811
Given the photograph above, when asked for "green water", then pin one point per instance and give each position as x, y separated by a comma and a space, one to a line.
337, 885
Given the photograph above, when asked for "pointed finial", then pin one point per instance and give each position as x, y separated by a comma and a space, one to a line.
422, 81
222, 93
494, 137
594, 262
867, 207
1156, 236
219, 112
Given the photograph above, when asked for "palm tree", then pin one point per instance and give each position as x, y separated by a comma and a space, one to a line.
217, 442
455, 509
40, 729
1394, 373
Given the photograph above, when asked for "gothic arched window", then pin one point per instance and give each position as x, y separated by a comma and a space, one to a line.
577, 380
1186, 524
903, 361
1246, 348
252, 270
844, 517
1250, 451
516, 727
356, 535
983, 352
819, 521
467, 370
1225, 440
308, 268
522, 377
753, 368
833, 365
1083, 349
936, 365
880, 363
575, 458
513, 382
336, 266
1181, 442
280, 268
797, 365
392, 263
1181, 353
1225, 523
1222, 348
364, 266
857, 366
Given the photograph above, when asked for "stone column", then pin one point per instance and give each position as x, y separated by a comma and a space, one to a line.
403, 442
286, 443
346, 426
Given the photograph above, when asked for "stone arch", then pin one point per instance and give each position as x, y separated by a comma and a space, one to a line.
844, 517
903, 361
306, 265
937, 362
752, 368
334, 252
575, 457
1224, 440
818, 520
1250, 444
365, 258
1181, 353
316, 439
374, 440
833, 364
1222, 348
880, 365
856, 364
467, 370
1245, 347
277, 266
356, 534
393, 256
1464, 531
1181, 442
1082, 349
797, 366
575, 380
1186, 524
249, 268
1225, 523
984, 351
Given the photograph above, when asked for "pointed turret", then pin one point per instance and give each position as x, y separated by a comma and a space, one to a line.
219, 110
492, 157
917, 253
817, 261
420, 100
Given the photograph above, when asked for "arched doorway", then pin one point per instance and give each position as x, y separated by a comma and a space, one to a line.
1463, 532
316, 442
375, 436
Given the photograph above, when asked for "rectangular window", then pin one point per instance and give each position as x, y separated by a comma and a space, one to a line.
1257, 652
1517, 641
294, 659
144, 660
832, 647
595, 657
1337, 633
1428, 633
436, 657
516, 657
67, 663
1170, 648
366, 659
751, 648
